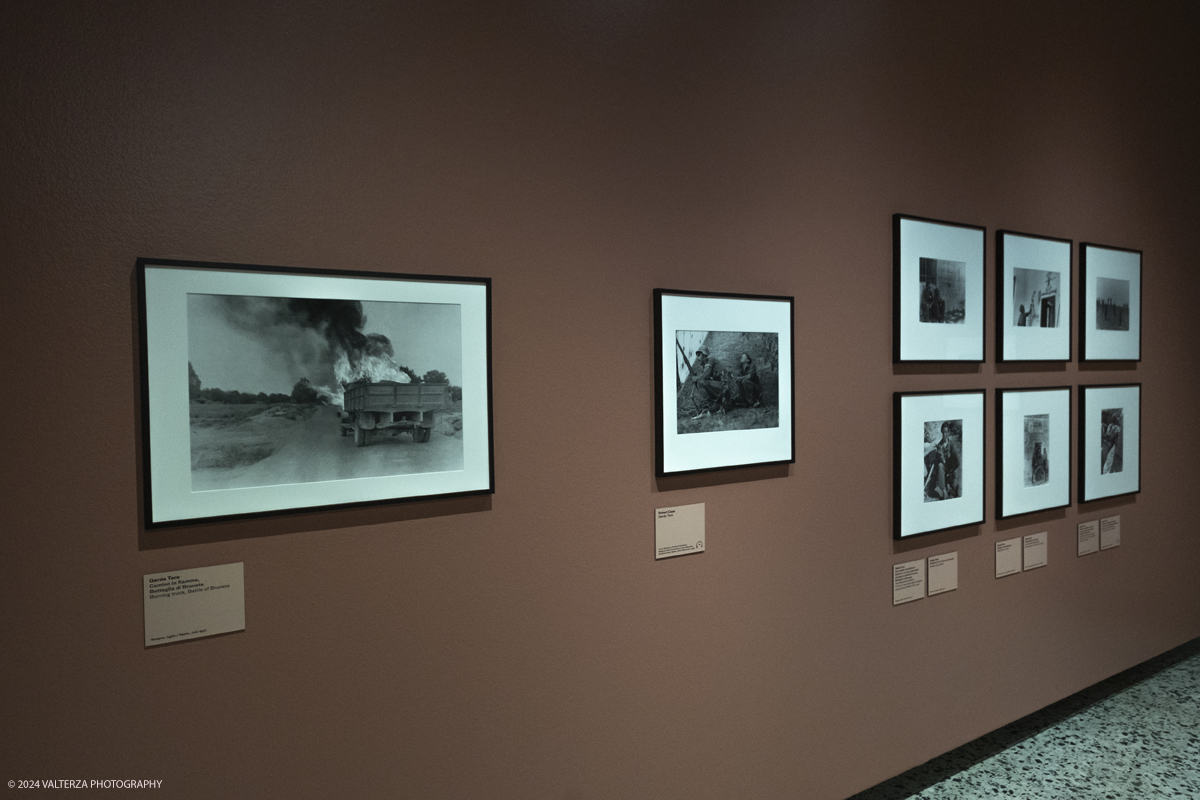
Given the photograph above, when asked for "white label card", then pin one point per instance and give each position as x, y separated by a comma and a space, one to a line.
191, 603
678, 531
908, 581
1036, 550
1089, 537
1008, 557
943, 573
1110, 532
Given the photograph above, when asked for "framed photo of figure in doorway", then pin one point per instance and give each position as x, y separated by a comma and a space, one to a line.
1033, 297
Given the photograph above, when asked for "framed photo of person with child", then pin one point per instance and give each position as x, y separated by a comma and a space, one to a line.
937, 468
723, 381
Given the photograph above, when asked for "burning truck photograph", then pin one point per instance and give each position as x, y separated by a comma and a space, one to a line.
289, 390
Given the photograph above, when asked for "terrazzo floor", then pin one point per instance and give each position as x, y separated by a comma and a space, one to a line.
1135, 736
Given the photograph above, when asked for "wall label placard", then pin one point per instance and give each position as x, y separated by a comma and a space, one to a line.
1035, 552
193, 603
908, 581
1089, 538
943, 573
1110, 532
1008, 557
678, 531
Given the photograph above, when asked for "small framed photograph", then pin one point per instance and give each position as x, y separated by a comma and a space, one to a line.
1033, 297
1110, 301
937, 290
723, 381
937, 469
1033, 450
270, 390
1110, 436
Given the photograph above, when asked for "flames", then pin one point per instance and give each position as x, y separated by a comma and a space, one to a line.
366, 367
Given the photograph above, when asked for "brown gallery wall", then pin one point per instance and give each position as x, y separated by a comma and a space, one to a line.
580, 154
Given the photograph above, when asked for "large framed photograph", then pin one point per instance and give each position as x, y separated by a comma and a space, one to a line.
1033, 298
1110, 292
1110, 436
723, 381
269, 390
937, 290
1033, 450
937, 469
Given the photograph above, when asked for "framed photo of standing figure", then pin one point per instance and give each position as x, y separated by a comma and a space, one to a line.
937, 469
937, 290
1110, 302
1033, 297
723, 381
271, 389
1033, 450
1110, 436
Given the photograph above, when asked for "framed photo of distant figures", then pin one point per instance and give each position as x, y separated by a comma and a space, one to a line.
1033, 450
937, 469
270, 390
1033, 298
723, 381
937, 290
1110, 436
1110, 292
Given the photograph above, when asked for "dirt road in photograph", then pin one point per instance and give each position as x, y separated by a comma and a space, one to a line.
314, 449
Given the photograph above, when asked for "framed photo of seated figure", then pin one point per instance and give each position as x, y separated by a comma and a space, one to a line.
937, 469
271, 389
937, 290
1110, 302
723, 381
1033, 297
1110, 435
1033, 450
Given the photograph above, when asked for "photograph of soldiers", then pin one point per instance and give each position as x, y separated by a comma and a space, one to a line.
943, 291
726, 380
943, 460
1112, 304
1111, 440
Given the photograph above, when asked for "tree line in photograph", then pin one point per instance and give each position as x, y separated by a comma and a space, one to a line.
302, 393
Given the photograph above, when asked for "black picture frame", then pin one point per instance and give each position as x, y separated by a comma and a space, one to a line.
1121, 267
1100, 474
917, 510
239, 452
1033, 492
1033, 253
717, 426
926, 253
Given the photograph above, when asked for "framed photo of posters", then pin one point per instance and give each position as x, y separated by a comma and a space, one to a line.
270, 390
1110, 302
1033, 450
1110, 436
937, 290
1033, 297
723, 381
938, 452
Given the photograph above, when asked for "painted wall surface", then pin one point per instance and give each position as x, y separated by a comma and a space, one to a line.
580, 154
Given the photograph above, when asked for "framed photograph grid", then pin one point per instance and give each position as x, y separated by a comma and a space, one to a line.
938, 461
269, 389
724, 381
1033, 297
937, 290
1033, 450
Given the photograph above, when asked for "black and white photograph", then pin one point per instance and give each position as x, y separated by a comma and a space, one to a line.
943, 291
1033, 301
1035, 295
295, 390
723, 381
727, 380
1110, 280
1110, 440
943, 460
1112, 451
270, 389
937, 288
1033, 449
938, 452
1037, 449
1112, 304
